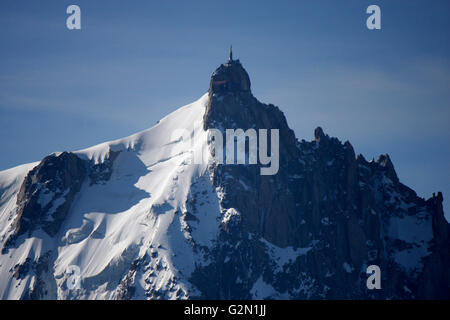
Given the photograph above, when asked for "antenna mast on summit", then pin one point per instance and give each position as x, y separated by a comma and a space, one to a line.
230, 57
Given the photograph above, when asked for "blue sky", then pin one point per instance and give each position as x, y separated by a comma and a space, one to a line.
387, 91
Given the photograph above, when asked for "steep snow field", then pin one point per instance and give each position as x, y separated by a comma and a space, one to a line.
148, 223
135, 214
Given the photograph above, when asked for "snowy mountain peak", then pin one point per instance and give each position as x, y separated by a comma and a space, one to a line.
141, 218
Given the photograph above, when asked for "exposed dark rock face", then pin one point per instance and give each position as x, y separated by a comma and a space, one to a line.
344, 212
237, 108
307, 232
101, 172
47, 193
230, 77
41, 270
49, 190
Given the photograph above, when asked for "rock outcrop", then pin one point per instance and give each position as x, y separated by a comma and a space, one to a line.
347, 214
140, 220
46, 194
48, 191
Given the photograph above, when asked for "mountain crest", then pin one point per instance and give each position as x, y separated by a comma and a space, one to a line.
229, 77
141, 220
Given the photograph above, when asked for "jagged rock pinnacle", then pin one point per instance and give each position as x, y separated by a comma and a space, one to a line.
318, 134
229, 77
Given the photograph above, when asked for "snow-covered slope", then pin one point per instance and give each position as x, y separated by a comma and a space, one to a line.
132, 215
154, 216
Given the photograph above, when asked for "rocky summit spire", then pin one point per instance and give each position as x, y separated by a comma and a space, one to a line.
328, 214
230, 77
